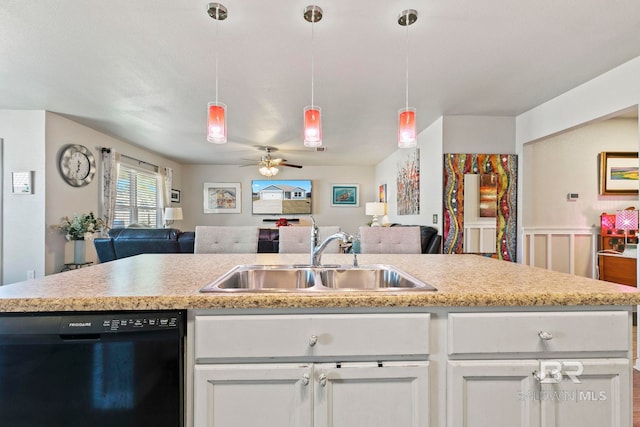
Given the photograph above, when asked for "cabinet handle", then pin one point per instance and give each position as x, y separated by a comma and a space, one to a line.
551, 376
323, 380
313, 339
305, 379
538, 376
544, 335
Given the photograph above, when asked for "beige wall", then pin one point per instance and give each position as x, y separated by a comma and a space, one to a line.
568, 163
322, 177
64, 200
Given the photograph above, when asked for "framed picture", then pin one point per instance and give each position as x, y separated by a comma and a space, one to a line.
345, 195
618, 173
175, 196
222, 197
21, 182
382, 193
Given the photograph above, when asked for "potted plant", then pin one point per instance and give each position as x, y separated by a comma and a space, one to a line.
78, 229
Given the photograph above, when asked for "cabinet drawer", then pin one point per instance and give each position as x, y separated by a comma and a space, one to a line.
526, 332
347, 336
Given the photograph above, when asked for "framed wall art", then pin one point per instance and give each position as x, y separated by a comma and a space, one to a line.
408, 182
618, 173
345, 195
382, 193
175, 196
21, 182
222, 197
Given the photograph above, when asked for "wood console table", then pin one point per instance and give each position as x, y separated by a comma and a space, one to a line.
617, 268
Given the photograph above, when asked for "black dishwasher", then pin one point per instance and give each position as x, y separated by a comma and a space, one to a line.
121, 369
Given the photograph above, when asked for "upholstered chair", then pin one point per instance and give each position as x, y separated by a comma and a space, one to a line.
390, 240
297, 239
226, 239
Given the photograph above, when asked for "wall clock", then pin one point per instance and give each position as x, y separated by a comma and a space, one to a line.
77, 165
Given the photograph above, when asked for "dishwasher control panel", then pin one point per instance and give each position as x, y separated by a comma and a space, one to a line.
119, 322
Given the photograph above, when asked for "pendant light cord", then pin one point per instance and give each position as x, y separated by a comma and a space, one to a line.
312, 60
407, 70
217, 48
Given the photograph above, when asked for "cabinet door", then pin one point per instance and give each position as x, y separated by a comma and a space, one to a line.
368, 395
599, 394
253, 395
492, 393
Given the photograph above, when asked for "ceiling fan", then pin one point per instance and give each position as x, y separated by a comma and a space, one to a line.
269, 165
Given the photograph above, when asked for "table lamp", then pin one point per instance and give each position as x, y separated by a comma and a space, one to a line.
628, 220
171, 215
375, 209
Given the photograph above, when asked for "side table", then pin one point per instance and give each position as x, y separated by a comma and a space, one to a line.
617, 268
74, 266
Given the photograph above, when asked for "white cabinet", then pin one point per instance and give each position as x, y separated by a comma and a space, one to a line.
312, 370
539, 369
252, 395
390, 394
491, 393
448, 367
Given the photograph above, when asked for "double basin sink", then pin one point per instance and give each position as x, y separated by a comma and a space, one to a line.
307, 278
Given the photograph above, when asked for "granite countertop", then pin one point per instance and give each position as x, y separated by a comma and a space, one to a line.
172, 281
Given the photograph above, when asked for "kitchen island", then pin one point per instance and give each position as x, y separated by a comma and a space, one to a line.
497, 344
169, 281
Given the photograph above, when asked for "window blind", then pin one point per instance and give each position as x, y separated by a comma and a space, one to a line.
137, 198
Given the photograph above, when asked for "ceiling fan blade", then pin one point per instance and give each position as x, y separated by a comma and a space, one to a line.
290, 165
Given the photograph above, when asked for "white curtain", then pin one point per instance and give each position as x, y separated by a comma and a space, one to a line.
166, 177
109, 159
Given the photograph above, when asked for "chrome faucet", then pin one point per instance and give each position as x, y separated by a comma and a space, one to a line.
318, 249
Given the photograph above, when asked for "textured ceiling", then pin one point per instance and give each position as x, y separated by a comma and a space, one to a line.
144, 70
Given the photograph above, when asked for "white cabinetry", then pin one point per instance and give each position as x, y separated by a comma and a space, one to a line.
539, 369
312, 370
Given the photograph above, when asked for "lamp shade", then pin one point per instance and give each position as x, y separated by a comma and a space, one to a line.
312, 127
407, 128
217, 123
375, 208
627, 219
173, 214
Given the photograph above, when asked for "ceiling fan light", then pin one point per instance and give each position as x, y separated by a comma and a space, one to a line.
268, 171
312, 127
407, 128
217, 123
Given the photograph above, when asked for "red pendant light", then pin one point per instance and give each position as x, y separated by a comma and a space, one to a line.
312, 126
407, 128
217, 123
217, 111
407, 136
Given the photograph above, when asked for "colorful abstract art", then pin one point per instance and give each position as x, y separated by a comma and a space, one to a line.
408, 181
505, 169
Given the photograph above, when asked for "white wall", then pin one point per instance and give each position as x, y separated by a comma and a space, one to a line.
430, 143
449, 134
23, 215
479, 135
614, 91
568, 163
348, 218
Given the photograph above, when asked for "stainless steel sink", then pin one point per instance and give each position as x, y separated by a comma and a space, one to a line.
305, 278
270, 278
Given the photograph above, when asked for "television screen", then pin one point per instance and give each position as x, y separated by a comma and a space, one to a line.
281, 197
